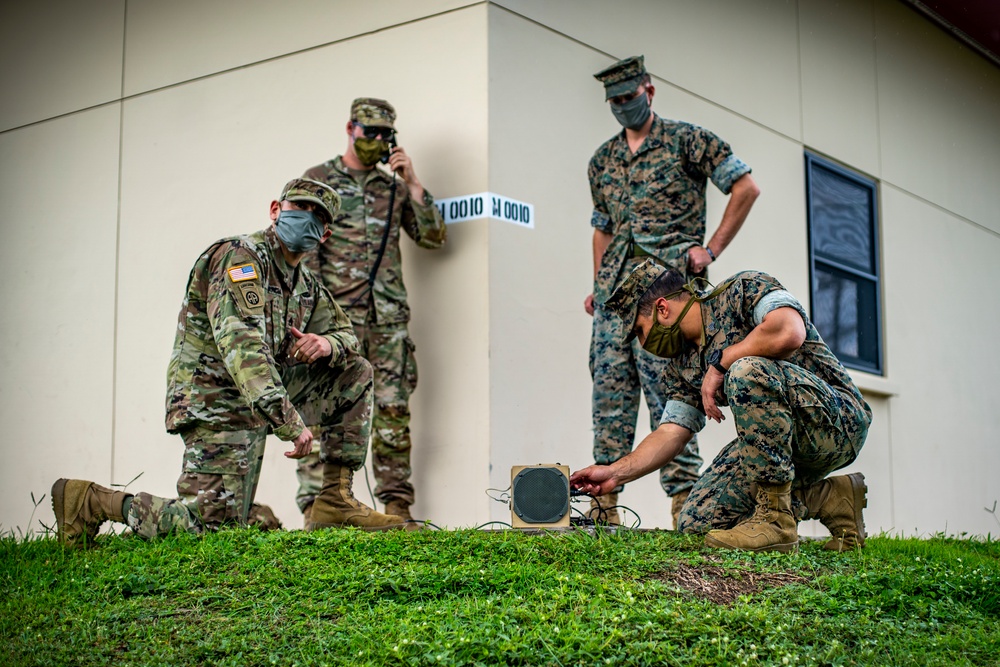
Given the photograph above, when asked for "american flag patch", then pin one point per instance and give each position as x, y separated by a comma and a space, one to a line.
242, 272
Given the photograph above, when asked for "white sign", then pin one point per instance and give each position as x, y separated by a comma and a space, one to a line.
487, 205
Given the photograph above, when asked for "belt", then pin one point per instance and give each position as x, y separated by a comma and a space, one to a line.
635, 250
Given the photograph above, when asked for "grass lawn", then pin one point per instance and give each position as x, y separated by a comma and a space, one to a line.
344, 597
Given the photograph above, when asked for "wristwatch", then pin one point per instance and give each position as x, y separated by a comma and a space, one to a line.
715, 359
710, 253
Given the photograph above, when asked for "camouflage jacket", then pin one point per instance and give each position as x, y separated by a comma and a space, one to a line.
346, 259
728, 318
233, 337
655, 198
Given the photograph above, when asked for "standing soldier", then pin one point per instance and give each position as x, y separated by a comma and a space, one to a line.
261, 347
648, 187
361, 266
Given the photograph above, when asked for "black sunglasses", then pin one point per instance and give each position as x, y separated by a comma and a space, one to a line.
373, 132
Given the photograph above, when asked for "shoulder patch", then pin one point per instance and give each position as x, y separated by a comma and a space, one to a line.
253, 297
242, 272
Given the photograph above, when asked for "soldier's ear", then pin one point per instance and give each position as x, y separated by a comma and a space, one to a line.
275, 210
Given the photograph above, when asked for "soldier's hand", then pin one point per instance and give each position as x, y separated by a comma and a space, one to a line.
400, 162
710, 387
309, 347
588, 304
594, 480
698, 259
302, 445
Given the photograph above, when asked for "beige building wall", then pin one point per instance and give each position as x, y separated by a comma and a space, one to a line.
134, 134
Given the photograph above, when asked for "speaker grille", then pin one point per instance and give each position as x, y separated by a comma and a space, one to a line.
541, 495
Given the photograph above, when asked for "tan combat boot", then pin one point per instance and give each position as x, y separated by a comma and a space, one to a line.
307, 514
336, 506
81, 507
677, 504
398, 507
604, 510
771, 528
837, 502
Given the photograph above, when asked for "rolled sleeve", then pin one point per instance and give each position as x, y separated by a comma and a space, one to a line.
774, 300
682, 414
601, 221
731, 170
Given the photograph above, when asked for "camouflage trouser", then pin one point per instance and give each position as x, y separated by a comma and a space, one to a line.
791, 427
221, 468
619, 370
390, 351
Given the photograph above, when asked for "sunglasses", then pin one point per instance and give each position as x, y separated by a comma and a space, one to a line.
372, 132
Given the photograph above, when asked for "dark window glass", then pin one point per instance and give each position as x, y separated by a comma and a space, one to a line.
843, 245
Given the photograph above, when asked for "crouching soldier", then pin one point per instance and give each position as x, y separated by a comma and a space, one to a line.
747, 344
261, 347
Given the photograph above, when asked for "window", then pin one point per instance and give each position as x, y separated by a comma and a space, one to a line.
844, 262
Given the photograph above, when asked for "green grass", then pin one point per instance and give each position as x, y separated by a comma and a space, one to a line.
242, 597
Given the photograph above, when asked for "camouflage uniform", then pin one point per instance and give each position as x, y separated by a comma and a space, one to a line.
797, 419
653, 204
379, 314
231, 381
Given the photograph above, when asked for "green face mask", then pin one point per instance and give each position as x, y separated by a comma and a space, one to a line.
668, 342
370, 151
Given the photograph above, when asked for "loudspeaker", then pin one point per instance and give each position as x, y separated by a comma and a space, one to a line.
539, 496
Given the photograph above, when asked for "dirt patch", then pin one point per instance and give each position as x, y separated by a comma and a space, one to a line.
721, 586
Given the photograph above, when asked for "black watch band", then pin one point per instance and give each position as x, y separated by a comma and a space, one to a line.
715, 359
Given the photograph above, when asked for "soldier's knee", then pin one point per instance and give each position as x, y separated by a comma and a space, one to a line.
752, 371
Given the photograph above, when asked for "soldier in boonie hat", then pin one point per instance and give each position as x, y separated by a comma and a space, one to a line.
623, 77
373, 112
304, 189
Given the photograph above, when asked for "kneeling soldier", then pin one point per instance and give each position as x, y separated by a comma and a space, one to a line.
261, 347
747, 344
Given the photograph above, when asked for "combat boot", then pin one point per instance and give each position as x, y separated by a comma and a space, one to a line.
677, 504
604, 510
398, 507
307, 514
336, 506
837, 502
81, 507
263, 517
771, 528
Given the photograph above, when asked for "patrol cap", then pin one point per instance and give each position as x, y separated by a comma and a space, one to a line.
622, 77
373, 112
303, 189
625, 300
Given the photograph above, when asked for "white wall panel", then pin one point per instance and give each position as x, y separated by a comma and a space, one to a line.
58, 56
170, 42
540, 333
740, 55
839, 87
940, 313
57, 252
938, 105
204, 160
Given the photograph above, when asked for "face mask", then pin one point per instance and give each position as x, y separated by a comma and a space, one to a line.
668, 341
634, 113
370, 151
299, 230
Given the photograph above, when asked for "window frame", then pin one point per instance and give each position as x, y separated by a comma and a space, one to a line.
870, 184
